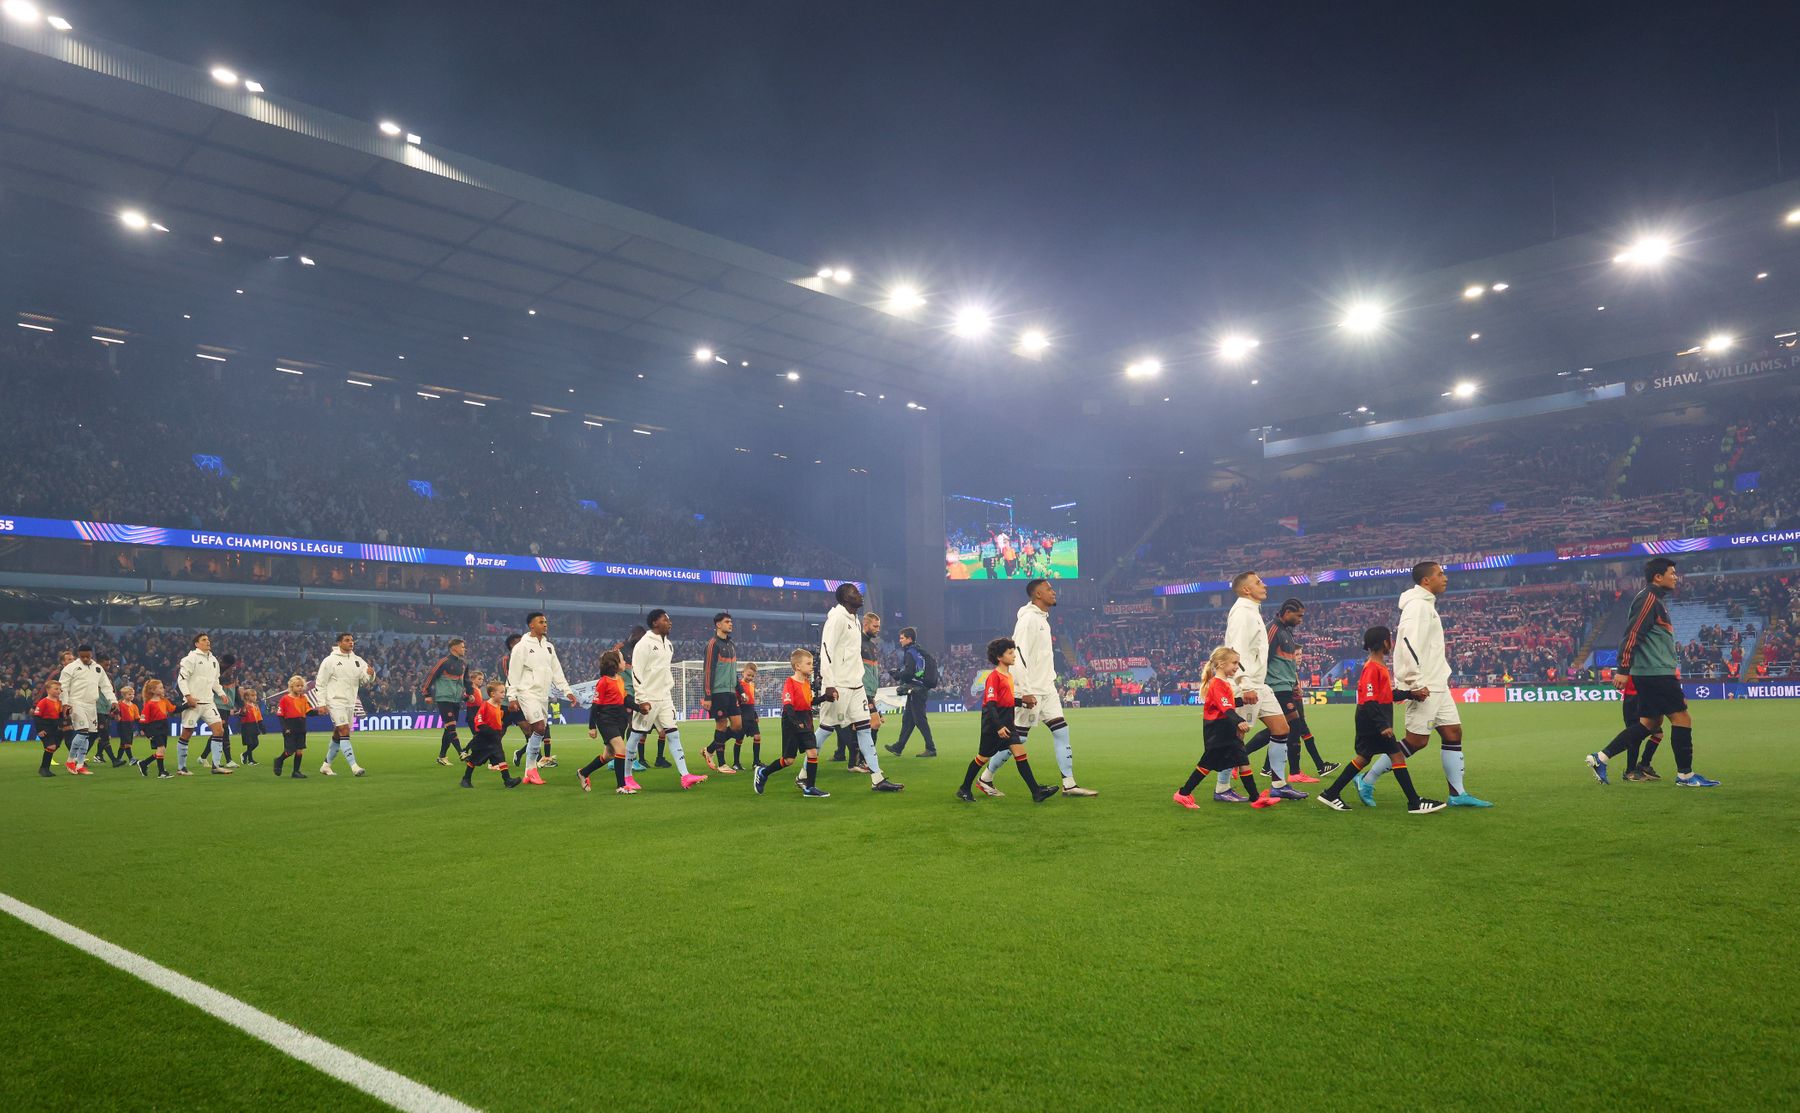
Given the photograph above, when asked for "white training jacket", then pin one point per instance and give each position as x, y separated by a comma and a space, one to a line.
652, 672
83, 685
198, 677
840, 651
1245, 632
1419, 658
340, 675
1036, 674
535, 671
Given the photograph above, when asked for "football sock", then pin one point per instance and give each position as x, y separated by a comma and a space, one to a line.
1312, 750
1249, 778
592, 767
1293, 755
181, 755
449, 741
1193, 781
633, 740
675, 751
821, 736
1626, 739
1024, 764
1278, 759
1224, 781
1350, 769
618, 765
1376, 768
968, 776
534, 749
159, 766
994, 763
44, 762
1681, 740
348, 752
717, 745
1065, 754
1650, 745
812, 771
1451, 752
278, 762
1257, 741
218, 751
1404, 780
331, 751
865, 741
737, 750
756, 753
660, 744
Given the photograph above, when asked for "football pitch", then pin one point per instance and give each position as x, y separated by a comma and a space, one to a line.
1065, 564
1575, 947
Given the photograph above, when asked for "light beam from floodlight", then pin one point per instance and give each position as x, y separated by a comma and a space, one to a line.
21, 11
1033, 341
1143, 369
904, 298
1362, 317
1647, 251
1719, 342
842, 274
972, 322
1235, 347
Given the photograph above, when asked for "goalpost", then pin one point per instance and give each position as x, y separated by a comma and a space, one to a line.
690, 687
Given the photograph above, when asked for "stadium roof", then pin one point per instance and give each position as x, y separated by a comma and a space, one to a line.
415, 245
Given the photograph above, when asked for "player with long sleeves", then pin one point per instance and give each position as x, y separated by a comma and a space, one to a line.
1420, 661
197, 682
534, 674
84, 686
1036, 677
841, 672
653, 686
1246, 633
340, 676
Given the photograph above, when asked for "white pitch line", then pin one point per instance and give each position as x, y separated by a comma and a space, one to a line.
373, 1079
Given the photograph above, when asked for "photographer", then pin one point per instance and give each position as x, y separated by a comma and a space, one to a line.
916, 677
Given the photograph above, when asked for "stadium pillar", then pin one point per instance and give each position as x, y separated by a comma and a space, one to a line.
923, 539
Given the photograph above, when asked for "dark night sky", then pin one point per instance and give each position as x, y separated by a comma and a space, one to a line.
1122, 171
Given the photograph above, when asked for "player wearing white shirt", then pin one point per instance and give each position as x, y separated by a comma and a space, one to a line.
534, 674
1246, 633
846, 700
653, 686
1035, 675
197, 681
1420, 661
341, 673
84, 683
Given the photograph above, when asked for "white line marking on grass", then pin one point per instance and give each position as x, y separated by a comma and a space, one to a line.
373, 1079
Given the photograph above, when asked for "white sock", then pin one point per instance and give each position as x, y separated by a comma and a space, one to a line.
1065, 754
1376, 768
994, 764
1453, 770
1224, 780
676, 752
865, 741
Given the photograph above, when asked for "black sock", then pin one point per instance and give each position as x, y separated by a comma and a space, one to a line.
1024, 764
1257, 741
660, 743
1193, 781
1312, 751
1349, 770
592, 767
1650, 745
812, 772
1403, 777
45, 763
969, 777
278, 762
1249, 780
1681, 740
756, 753
618, 764
468, 777
1293, 755
1626, 738
737, 752
159, 766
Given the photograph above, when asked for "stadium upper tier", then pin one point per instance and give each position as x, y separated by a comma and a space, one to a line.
160, 445
1509, 489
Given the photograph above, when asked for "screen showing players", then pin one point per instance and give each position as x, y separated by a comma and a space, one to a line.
1008, 539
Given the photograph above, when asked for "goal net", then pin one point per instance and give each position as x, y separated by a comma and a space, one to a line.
690, 687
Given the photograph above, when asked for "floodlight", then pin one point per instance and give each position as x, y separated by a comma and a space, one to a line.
1237, 347
134, 220
20, 11
971, 322
1033, 340
1718, 342
1362, 317
1464, 389
703, 355
224, 76
390, 128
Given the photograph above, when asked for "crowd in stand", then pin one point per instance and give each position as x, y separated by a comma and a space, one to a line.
276, 460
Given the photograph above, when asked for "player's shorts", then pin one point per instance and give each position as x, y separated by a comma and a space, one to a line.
1436, 710
661, 716
83, 720
156, 733
1266, 703
1375, 744
509, 718
611, 720
1628, 708
724, 704
1224, 749
1048, 710
851, 707
342, 711
532, 710
1291, 705
192, 717
752, 725
1659, 695
486, 749
992, 743
249, 732
127, 730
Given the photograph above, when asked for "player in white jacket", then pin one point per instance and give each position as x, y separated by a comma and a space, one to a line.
1420, 661
83, 684
845, 702
340, 675
534, 674
197, 682
1035, 675
1246, 632
653, 690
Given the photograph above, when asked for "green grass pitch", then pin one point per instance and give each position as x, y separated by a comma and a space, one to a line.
1576, 947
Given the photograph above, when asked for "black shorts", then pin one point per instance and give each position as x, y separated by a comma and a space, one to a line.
1291, 707
724, 704
752, 725
1628, 708
486, 749
50, 735
1658, 695
448, 712
249, 732
1375, 744
127, 731
611, 720
510, 717
992, 743
156, 733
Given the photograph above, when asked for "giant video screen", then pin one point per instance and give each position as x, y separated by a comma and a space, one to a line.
1009, 539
